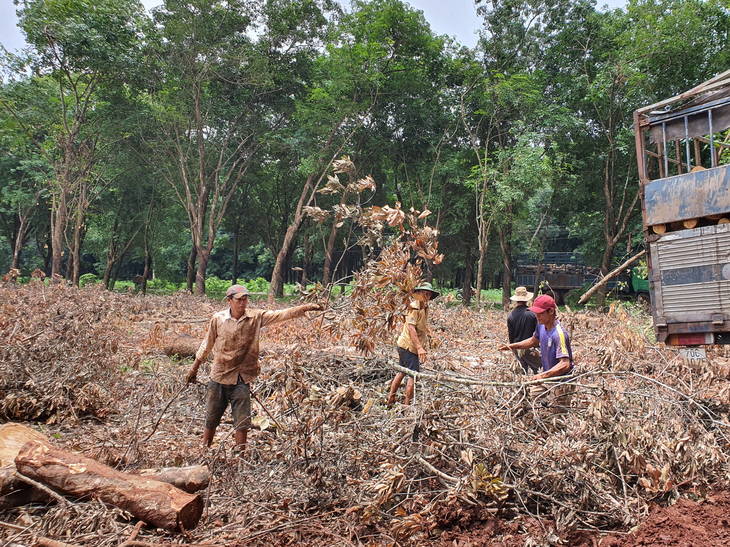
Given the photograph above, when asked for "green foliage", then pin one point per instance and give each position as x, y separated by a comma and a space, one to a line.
257, 285
213, 284
122, 286
88, 279
201, 129
162, 285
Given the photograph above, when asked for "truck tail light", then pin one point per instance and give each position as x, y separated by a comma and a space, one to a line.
691, 339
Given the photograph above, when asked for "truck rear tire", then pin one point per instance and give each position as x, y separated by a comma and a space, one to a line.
644, 300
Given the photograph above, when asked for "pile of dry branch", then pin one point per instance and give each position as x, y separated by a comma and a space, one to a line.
330, 463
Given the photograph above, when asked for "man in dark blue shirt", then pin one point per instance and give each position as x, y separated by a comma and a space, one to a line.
521, 325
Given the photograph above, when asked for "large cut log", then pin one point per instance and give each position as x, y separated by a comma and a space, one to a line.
151, 501
182, 345
191, 479
13, 491
12, 438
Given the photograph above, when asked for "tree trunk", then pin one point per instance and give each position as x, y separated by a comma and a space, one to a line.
468, 261
110, 257
541, 254
505, 242
58, 224
22, 232
236, 249
203, 258
605, 268
118, 267
77, 245
277, 278
16, 493
69, 266
107, 273
147, 267
183, 345
480, 268
191, 269
308, 255
151, 501
189, 479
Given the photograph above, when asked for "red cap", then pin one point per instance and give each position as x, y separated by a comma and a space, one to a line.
542, 303
237, 291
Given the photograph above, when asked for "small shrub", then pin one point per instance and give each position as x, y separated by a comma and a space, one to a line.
214, 284
162, 285
257, 285
88, 279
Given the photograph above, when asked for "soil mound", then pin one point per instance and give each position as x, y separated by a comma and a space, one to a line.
687, 523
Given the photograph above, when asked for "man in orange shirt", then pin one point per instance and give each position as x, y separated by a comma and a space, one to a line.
234, 333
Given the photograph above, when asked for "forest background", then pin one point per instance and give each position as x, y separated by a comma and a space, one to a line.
194, 146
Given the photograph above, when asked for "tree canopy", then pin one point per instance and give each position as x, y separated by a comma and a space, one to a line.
196, 142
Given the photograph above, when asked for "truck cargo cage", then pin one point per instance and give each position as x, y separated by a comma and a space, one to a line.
685, 195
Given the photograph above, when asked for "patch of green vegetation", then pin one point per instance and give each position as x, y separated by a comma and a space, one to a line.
88, 279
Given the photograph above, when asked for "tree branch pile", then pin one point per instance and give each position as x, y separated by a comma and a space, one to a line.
331, 464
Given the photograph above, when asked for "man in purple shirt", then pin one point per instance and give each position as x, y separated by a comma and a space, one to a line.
554, 342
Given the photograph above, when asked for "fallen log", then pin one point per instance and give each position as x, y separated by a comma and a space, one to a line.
190, 479
151, 501
14, 492
183, 345
12, 438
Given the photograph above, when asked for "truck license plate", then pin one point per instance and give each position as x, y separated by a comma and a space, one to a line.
693, 356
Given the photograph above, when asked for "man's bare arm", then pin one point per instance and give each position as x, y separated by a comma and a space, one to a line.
560, 369
525, 344
422, 355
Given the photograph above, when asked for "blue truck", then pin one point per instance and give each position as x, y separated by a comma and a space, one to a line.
561, 273
685, 195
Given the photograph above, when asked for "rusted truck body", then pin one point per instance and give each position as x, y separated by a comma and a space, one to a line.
685, 194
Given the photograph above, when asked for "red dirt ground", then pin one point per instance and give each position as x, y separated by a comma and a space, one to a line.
687, 523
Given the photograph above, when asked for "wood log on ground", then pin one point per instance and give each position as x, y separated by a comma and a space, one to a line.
12, 438
190, 479
14, 492
151, 501
183, 345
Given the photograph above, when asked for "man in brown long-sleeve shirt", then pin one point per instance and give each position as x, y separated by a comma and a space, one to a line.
234, 333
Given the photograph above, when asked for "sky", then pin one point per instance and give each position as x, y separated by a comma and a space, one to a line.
456, 18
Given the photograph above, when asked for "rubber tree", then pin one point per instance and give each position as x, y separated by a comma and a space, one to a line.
226, 74
23, 174
83, 46
370, 57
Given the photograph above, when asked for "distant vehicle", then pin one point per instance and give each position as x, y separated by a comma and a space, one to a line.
685, 196
561, 273
460, 293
